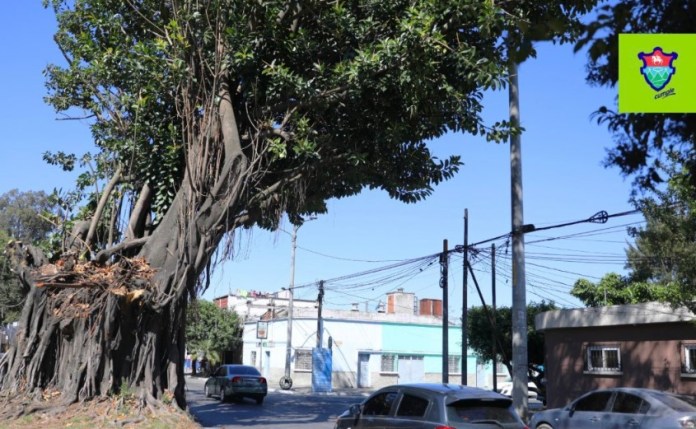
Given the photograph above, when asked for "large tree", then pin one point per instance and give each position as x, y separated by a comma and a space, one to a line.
217, 115
480, 325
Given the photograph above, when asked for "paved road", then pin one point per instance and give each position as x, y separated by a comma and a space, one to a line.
280, 410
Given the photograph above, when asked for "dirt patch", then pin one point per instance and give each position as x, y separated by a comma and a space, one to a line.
96, 414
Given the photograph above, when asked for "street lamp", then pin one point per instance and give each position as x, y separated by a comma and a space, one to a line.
286, 380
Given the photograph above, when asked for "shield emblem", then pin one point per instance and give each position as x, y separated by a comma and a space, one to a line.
657, 67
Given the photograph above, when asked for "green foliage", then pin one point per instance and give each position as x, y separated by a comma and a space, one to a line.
481, 340
24, 216
210, 330
614, 289
346, 93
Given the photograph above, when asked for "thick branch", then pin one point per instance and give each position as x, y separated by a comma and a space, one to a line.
136, 223
100, 207
105, 254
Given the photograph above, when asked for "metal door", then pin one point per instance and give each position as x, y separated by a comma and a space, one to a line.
363, 370
411, 369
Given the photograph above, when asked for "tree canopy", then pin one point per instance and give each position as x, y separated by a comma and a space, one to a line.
614, 289
211, 330
481, 340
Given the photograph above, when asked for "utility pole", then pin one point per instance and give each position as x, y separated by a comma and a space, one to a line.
519, 291
320, 323
495, 330
444, 259
286, 381
465, 301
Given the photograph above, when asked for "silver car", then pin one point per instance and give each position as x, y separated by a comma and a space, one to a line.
237, 381
429, 406
622, 407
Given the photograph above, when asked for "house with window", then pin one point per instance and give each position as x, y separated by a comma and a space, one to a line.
399, 342
641, 345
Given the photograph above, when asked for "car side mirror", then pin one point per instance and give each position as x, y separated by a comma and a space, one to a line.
571, 411
354, 409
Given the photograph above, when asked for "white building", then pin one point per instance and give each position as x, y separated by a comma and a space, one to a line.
400, 343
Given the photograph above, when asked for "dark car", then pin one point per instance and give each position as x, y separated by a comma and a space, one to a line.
621, 407
238, 382
430, 406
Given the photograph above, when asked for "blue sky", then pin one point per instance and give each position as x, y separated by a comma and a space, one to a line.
563, 179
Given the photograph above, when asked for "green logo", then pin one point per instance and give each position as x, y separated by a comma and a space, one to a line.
648, 77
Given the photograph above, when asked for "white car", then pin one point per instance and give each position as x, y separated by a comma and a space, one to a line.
506, 389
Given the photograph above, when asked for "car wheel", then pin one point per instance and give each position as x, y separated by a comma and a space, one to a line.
544, 426
207, 392
259, 400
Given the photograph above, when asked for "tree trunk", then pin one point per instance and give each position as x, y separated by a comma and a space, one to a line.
91, 330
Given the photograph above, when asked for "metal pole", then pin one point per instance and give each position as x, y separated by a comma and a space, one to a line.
519, 292
465, 302
445, 313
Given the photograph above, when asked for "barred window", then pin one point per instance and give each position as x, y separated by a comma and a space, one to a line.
388, 363
690, 358
603, 359
303, 360
453, 366
252, 358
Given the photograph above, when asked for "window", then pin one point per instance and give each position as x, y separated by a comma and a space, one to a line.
689, 359
379, 405
593, 402
388, 363
603, 359
303, 360
412, 406
453, 366
253, 358
627, 403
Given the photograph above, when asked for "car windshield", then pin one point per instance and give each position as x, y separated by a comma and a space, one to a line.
677, 403
243, 370
473, 410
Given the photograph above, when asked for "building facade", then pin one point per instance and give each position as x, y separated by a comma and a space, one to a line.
400, 343
643, 345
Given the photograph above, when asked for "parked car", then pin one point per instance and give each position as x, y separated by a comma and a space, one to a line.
431, 405
238, 382
625, 407
506, 389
